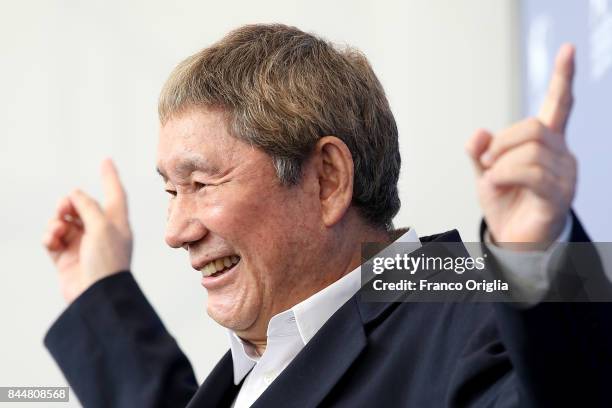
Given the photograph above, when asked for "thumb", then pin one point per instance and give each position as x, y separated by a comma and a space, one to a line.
476, 146
87, 208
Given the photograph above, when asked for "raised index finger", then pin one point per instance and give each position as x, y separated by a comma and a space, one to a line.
557, 105
115, 201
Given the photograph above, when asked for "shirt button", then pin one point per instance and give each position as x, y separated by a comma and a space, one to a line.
269, 377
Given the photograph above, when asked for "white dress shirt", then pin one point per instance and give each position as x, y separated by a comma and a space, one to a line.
289, 331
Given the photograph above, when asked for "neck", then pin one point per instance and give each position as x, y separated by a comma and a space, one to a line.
260, 345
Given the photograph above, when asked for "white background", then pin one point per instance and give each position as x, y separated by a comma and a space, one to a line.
80, 79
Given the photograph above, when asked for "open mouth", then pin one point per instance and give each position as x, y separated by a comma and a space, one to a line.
219, 266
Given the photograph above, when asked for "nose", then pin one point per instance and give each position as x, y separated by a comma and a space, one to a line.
183, 227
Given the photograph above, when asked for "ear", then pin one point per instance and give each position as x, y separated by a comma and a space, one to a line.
335, 172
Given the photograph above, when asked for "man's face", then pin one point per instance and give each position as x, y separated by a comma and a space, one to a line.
229, 210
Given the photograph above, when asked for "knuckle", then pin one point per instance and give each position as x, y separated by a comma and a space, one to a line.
533, 125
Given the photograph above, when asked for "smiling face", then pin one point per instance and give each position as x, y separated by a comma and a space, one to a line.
227, 202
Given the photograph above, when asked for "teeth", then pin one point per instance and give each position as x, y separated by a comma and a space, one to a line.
219, 264
210, 269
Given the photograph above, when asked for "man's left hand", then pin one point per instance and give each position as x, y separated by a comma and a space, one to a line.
526, 175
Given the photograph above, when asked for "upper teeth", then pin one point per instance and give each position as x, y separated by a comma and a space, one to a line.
219, 264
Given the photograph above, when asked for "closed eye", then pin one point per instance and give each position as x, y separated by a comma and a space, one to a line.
197, 186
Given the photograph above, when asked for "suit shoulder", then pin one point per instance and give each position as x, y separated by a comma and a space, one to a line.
447, 236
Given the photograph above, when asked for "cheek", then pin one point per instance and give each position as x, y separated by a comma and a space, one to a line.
272, 231
243, 218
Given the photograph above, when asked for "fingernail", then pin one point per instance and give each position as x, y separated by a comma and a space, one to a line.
486, 158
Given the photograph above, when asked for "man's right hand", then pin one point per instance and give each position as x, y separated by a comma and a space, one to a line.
88, 242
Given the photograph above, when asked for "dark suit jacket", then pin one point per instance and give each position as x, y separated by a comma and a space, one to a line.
115, 352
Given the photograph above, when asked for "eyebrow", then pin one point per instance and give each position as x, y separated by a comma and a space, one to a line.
184, 167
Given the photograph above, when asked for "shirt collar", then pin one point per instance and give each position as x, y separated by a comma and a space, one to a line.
306, 317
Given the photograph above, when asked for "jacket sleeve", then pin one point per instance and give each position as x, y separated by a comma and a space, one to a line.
561, 352
115, 351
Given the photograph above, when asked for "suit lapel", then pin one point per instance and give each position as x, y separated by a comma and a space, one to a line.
371, 311
218, 390
320, 365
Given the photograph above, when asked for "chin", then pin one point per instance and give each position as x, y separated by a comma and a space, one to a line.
231, 315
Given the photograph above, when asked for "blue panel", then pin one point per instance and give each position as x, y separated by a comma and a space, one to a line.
546, 24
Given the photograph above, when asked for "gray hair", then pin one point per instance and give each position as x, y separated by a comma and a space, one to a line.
282, 89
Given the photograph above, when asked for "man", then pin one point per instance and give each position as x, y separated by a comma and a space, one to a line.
280, 155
